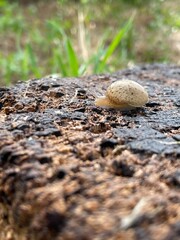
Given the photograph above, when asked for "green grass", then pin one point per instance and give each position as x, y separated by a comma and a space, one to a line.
69, 64
33, 46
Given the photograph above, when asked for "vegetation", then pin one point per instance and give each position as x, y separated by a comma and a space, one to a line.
73, 38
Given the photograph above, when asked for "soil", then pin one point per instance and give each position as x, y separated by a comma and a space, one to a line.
70, 170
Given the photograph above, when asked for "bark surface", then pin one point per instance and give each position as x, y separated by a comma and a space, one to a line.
70, 170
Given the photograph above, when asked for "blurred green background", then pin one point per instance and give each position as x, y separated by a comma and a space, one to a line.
75, 38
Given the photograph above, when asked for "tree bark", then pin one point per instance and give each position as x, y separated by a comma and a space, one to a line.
71, 170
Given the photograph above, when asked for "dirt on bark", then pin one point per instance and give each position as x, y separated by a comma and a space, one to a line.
71, 170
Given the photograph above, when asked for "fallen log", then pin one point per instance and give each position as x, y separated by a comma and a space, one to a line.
71, 170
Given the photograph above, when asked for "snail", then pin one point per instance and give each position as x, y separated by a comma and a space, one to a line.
123, 95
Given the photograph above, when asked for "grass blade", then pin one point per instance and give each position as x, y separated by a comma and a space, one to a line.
32, 61
72, 58
115, 42
55, 29
59, 63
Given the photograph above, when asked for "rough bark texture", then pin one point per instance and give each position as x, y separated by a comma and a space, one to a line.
70, 170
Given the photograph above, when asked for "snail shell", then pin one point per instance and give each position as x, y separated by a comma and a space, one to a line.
123, 95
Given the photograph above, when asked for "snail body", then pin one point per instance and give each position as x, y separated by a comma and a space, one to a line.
123, 95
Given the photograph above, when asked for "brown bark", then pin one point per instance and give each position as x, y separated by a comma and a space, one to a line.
70, 170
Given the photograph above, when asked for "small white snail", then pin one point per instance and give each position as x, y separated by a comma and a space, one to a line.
123, 95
